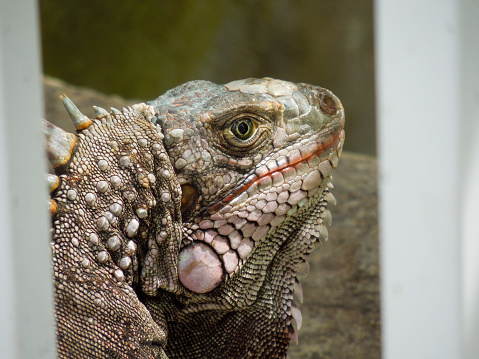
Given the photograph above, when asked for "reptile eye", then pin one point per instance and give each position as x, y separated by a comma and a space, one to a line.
243, 129
243, 133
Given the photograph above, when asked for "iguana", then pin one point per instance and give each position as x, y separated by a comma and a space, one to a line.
178, 225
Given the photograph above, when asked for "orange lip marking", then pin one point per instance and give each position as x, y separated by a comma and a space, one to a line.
317, 152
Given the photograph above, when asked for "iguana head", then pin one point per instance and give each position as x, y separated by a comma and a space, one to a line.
254, 159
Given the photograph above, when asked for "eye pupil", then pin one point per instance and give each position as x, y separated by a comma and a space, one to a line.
244, 132
243, 128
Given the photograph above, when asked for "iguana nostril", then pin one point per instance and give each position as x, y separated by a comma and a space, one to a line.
328, 105
188, 199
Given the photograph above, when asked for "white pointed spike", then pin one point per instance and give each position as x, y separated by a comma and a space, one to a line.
293, 336
53, 182
323, 231
303, 269
326, 215
298, 290
115, 111
296, 314
60, 144
100, 112
330, 185
328, 197
79, 120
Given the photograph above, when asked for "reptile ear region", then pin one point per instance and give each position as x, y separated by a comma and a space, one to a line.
60, 144
188, 199
80, 121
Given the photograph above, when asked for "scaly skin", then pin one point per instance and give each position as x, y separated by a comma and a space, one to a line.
107, 215
257, 205
134, 276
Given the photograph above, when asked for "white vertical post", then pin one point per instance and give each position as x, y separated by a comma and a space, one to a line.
469, 67
427, 107
26, 303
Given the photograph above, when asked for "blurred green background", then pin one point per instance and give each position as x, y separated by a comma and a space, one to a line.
140, 49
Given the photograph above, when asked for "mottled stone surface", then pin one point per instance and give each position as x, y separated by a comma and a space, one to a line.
341, 292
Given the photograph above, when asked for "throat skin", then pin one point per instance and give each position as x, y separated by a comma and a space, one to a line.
223, 333
255, 331
256, 325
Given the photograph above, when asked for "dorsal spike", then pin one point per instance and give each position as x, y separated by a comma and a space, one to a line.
293, 336
303, 269
328, 197
296, 314
53, 207
326, 215
60, 144
79, 120
323, 231
298, 290
100, 112
115, 111
53, 182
